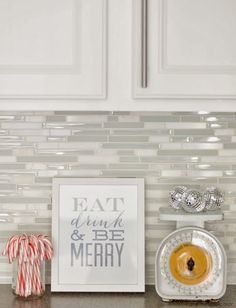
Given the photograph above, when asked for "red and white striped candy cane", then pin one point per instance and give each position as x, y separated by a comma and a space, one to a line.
29, 250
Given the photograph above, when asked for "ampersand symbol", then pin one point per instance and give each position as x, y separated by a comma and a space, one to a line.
75, 236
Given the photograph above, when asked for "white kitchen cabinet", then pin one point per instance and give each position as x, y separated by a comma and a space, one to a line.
184, 49
86, 55
53, 49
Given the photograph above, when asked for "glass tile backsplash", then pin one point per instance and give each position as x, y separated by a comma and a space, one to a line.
164, 148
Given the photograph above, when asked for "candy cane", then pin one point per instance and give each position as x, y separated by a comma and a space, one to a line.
30, 251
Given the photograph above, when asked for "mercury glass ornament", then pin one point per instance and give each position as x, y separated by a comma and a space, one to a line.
193, 201
213, 198
176, 196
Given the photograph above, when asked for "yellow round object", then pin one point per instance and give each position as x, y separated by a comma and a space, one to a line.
190, 264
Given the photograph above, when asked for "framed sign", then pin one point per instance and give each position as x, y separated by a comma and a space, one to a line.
98, 234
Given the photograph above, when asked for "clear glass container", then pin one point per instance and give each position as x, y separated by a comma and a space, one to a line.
28, 281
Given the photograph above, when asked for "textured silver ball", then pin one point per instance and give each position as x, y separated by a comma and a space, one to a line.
213, 198
176, 196
193, 201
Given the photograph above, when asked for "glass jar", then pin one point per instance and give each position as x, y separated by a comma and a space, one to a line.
28, 279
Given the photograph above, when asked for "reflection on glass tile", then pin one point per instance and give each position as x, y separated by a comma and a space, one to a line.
181, 139
229, 173
71, 125
203, 145
199, 139
164, 159
10, 138
214, 139
122, 113
217, 125
79, 132
56, 139
69, 112
211, 119
5, 219
90, 119
17, 213
8, 193
12, 144
64, 152
204, 173
11, 117
56, 167
208, 166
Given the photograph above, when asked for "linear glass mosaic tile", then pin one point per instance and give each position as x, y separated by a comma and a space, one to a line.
166, 149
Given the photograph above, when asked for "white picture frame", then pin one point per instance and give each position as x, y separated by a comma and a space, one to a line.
98, 235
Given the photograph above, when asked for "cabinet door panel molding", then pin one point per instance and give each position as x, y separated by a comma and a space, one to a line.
53, 49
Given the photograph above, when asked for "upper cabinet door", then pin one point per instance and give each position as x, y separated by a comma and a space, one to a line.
53, 49
184, 48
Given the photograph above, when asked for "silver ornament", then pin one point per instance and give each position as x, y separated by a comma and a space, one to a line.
176, 196
213, 198
193, 201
